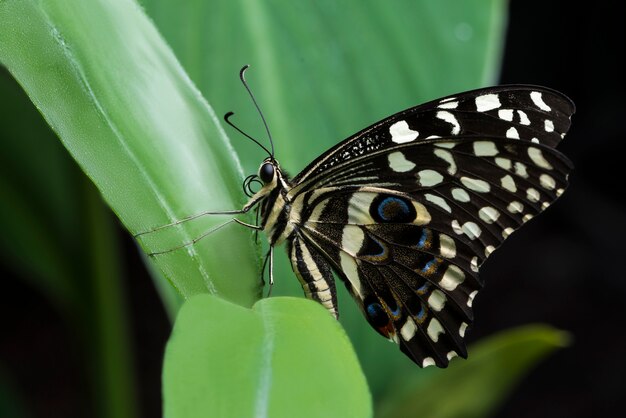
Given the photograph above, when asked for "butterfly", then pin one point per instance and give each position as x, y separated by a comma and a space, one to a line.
405, 211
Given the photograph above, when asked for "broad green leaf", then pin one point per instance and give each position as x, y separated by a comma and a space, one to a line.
323, 70
285, 357
116, 96
476, 387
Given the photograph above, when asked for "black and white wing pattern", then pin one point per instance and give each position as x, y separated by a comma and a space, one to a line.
407, 210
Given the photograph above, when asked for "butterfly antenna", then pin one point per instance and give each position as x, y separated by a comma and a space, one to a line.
242, 76
227, 120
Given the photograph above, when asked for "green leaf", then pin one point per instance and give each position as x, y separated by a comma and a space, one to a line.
285, 357
477, 386
112, 90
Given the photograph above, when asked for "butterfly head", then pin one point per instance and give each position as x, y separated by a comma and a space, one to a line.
268, 171
269, 177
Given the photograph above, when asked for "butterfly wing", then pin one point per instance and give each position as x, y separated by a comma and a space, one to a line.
407, 210
531, 113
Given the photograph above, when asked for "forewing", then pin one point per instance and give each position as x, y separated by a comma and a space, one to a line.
531, 113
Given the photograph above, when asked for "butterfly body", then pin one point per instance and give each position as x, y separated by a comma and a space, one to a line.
405, 211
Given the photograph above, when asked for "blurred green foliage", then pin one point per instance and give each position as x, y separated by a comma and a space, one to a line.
112, 90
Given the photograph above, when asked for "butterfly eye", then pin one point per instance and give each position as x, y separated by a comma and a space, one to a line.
266, 173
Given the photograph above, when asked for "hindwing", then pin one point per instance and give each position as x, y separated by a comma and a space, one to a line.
407, 210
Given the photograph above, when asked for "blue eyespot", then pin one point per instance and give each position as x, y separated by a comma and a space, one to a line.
421, 314
376, 314
396, 209
374, 251
395, 311
431, 266
424, 238
424, 288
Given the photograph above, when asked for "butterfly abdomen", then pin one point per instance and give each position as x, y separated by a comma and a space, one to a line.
313, 272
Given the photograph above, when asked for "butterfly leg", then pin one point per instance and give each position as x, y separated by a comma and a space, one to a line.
209, 232
189, 218
269, 257
193, 241
247, 225
271, 270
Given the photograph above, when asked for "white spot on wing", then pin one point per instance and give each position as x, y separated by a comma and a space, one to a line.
434, 329
485, 149
523, 118
548, 125
506, 232
399, 163
448, 105
508, 183
428, 361
456, 227
512, 133
451, 119
447, 157
462, 329
401, 133
487, 102
474, 264
477, 185
447, 247
408, 329
470, 298
515, 207
437, 300
439, 201
489, 249
506, 114
532, 194
537, 99
471, 229
453, 277
448, 145
504, 163
428, 178
423, 216
547, 181
520, 170
536, 155
460, 195
488, 214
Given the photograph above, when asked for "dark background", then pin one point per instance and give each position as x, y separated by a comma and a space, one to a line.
565, 268
574, 253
